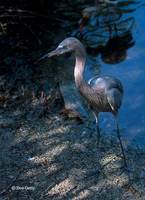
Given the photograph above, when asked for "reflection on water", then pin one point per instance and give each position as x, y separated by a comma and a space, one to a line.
100, 24
114, 37
109, 37
115, 50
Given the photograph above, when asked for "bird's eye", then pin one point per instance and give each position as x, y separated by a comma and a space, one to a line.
60, 47
63, 46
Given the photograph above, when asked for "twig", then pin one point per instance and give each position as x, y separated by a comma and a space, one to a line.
14, 16
30, 29
3, 30
10, 10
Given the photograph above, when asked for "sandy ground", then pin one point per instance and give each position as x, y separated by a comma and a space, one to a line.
55, 158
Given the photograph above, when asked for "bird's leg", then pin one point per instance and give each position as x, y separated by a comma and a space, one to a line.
122, 149
97, 126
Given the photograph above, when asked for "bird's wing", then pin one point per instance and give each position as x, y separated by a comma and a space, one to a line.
93, 79
106, 82
97, 82
114, 97
112, 89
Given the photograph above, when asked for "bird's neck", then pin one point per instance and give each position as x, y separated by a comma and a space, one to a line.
80, 82
79, 70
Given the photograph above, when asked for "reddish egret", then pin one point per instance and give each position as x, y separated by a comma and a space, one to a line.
102, 93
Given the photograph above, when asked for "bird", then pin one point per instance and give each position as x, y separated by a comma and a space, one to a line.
103, 93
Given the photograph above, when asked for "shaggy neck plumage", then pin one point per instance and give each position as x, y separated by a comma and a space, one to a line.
79, 71
80, 82
80, 56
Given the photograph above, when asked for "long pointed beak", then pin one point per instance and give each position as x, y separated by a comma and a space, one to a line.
48, 55
43, 57
55, 52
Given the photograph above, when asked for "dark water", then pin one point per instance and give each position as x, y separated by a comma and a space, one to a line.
131, 71
116, 45
132, 74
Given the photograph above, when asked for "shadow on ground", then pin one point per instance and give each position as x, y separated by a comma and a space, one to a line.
54, 158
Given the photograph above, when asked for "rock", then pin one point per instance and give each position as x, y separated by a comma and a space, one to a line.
72, 99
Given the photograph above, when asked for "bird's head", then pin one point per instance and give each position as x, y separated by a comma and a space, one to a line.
67, 45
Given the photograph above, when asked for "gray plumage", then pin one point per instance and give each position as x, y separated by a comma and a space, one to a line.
103, 93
